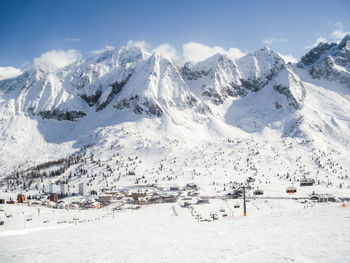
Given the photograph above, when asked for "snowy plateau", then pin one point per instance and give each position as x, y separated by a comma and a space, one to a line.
130, 157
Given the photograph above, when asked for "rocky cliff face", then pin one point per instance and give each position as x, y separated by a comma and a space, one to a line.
329, 61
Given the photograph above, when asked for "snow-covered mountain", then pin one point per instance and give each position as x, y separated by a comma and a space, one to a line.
329, 61
48, 114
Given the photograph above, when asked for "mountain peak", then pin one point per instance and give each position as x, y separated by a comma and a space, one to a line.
316, 53
344, 42
266, 49
346, 37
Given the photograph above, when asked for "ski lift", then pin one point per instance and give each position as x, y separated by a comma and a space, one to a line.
291, 190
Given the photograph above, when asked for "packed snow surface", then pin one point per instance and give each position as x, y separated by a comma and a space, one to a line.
273, 231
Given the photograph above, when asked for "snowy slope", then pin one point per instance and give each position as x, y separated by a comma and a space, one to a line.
154, 234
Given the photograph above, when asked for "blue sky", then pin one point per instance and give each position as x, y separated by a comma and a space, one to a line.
30, 28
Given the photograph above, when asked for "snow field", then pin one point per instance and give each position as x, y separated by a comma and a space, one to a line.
154, 233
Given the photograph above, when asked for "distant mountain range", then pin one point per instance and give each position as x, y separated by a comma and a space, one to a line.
40, 109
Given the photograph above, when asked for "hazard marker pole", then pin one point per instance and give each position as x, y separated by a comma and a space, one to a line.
244, 203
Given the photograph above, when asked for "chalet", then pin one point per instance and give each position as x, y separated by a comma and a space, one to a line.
142, 201
319, 198
92, 204
323, 199
105, 198
174, 188
155, 200
193, 193
258, 192
307, 182
332, 199
186, 204
21, 198
169, 199
162, 199
50, 204
191, 186
238, 192
129, 200
36, 203
203, 201
61, 205
54, 197
232, 195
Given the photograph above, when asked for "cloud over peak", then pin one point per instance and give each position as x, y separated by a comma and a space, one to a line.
336, 35
9, 72
54, 59
193, 51
99, 51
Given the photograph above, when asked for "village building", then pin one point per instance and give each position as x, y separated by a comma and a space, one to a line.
319, 198
64, 189
202, 201
21, 198
54, 197
53, 188
174, 188
307, 182
82, 189
258, 192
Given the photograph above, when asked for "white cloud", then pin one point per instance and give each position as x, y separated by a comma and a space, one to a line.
167, 51
339, 33
316, 42
288, 58
99, 51
193, 51
139, 43
270, 41
9, 72
235, 53
54, 59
